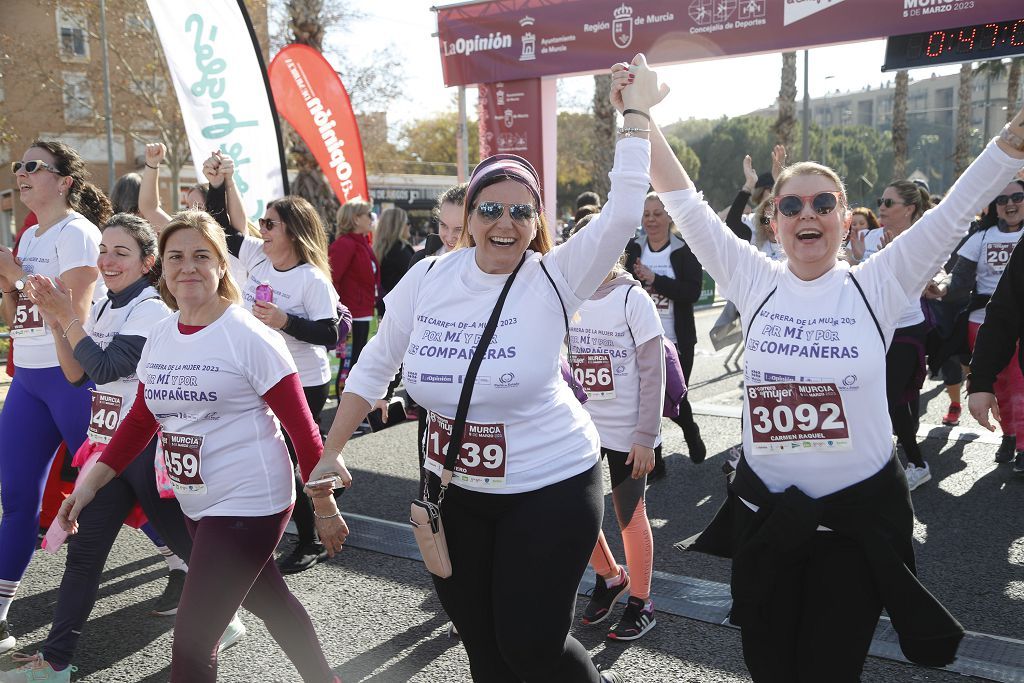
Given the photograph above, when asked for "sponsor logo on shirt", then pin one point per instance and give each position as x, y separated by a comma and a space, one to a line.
427, 378
506, 380
412, 377
479, 379
775, 377
620, 370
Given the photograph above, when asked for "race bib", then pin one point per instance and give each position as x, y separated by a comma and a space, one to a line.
593, 371
27, 320
105, 416
997, 255
183, 459
481, 461
790, 416
662, 303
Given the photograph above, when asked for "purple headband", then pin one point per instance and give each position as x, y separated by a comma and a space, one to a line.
510, 165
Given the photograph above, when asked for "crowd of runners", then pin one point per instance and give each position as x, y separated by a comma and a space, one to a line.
170, 371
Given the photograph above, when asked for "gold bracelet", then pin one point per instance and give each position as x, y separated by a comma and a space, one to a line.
68, 328
1011, 138
318, 516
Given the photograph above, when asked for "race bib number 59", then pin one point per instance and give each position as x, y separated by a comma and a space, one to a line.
481, 459
183, 459
792, 415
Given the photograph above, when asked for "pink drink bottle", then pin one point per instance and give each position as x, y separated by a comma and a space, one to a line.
264, 292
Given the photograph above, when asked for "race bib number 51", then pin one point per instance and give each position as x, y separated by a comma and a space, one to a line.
27, 320
481, 460
791, 415
183, 459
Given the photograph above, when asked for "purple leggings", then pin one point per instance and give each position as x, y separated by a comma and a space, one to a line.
232, 565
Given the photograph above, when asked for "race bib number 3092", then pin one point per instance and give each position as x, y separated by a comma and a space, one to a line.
793, 415
481, 459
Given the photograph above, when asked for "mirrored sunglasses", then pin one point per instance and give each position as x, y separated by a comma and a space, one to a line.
822, 203
492, 211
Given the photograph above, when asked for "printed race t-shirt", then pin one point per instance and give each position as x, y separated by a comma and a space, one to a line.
111, 401
71, 243
991, 250
913, 314
221, 442
604, 359
303, 291
527, 430
660, 263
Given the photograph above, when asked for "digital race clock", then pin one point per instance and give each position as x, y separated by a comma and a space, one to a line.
963, 44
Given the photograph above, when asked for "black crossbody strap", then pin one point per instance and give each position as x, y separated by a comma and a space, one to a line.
565, 314
754, 317
862, 296
459, 428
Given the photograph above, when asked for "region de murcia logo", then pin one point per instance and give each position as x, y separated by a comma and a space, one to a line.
622, 26
529, 41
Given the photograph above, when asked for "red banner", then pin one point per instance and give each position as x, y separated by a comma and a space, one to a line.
309, 94
509, 115
501, 40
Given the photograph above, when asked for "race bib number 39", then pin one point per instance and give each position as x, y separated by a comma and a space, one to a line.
593, 371
27, 320
789, 416
481, 461
183, 459
106, 413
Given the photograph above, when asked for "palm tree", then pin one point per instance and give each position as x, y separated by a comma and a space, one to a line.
899, 124
787, 101
962, 146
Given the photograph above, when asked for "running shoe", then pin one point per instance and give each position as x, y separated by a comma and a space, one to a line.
232, 634
603, 599
694, 444
952, 418
637, 620
1006, 448
917, 475
304, 556
167, 604
7, 641
611, 677
1018, 463
35, 669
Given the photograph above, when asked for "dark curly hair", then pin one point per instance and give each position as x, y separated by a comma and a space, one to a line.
83, 196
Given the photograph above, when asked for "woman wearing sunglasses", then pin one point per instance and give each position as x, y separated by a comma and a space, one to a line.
526, 494
41, 408
288, 288
980, 265
818, 519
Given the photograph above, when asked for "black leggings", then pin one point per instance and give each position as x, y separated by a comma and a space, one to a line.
685, 419
98, 526
302, 514
904, 375
517, 561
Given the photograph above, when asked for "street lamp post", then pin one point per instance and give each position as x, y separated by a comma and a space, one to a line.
826, 120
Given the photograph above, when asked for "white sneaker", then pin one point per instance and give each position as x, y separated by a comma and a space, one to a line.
917, 475
7, 641
232, 634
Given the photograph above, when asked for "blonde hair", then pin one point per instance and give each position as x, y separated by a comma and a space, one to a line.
302, 223
347, 214
209, 229
672, 229
391, 230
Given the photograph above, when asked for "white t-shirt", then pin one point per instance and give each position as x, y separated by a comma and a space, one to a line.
773, 250
913, 314
71, 243
210, 385
814, 361
136, 319
604, 356
660, 263
303, 291
530, 429
991, 250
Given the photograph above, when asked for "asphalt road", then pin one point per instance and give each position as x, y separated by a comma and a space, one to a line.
379, 621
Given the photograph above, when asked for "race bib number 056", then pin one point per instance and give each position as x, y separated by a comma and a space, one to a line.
481, 460
183, 459
792, 416
593, 371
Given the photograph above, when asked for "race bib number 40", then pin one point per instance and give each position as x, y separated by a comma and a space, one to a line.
183, 459
482, 458
791, 415
593, 371
27, 320
106, 413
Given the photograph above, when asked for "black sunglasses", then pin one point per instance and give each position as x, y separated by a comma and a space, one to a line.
268, 224
888, 203
33, 166
822, 203
1016, 198
492, 211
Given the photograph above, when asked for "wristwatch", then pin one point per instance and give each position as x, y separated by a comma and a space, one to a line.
19, 284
